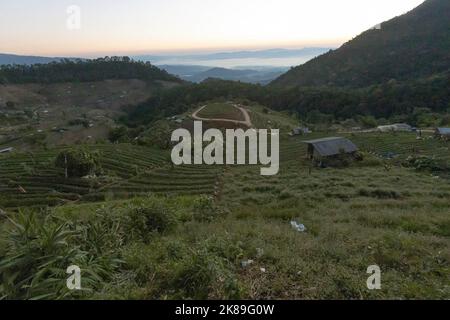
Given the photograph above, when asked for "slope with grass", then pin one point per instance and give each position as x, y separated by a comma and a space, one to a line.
244, 114
225, 111
191, 247
67, 113
354, 218
153, 231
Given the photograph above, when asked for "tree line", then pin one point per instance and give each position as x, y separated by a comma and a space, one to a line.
400, 101
80, 70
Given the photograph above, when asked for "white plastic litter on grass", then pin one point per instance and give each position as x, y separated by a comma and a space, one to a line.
298, 226
246, 263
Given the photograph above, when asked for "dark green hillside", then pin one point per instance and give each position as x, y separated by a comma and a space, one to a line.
411, 46
83, 71
394, 98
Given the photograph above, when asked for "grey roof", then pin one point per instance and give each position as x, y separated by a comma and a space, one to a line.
6, 150
332, 146
444, 131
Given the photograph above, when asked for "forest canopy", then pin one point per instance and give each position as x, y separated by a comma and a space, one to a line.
388, 100
80, 70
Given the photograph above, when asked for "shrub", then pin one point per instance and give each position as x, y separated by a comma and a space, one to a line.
205, 209
159, 136
119, 134
10, 104
78, 163
36, 139
143, 220
368, 121
425, 163
285, 195
203, 275
79, 122
445, 120
379, 194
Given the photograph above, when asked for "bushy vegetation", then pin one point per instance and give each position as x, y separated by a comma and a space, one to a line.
426, 163
38, 248
158, 135
78, 162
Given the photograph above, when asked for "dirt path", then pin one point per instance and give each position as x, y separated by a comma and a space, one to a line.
247, 122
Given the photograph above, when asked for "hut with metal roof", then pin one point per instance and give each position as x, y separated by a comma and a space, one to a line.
300, 131
7, 150
443, 133
329, 147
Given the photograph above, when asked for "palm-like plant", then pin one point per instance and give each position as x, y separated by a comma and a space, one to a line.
37, 253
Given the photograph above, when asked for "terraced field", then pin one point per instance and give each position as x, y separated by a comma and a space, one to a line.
29, 179
402, 145
399, 145
184, 180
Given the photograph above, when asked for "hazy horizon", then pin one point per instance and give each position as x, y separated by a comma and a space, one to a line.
111, 27
169, 54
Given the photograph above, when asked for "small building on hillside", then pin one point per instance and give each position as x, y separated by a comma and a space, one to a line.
442, 133
395, 127
59, 130
300, 131
329, 147
6, 150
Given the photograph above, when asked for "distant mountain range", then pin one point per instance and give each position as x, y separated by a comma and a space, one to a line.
412, 46
17, 59
261, 75
258, 54
260, 66
239, 59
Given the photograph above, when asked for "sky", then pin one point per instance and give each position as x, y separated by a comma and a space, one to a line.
114, 27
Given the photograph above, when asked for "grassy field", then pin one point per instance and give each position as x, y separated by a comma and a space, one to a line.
355, 217
152, 231
221, 111
265, 118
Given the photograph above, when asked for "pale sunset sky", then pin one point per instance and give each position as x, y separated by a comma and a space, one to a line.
39, 27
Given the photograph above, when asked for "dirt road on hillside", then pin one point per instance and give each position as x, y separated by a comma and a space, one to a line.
247, 122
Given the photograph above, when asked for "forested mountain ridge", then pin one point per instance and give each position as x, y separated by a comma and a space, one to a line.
392, 99
19, 59
83, 71
414, 45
